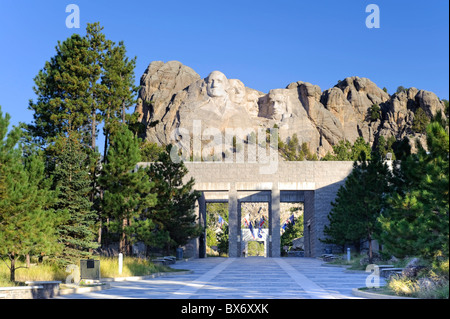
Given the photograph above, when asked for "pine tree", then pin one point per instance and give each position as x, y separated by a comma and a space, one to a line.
27, 224
345, 151
223, 240
62, 92
174, 212
416, 220
339, 229
293, 230
69, 90
89, 80
420, 122
213, 211
73, 181
359, 203
119, 91
127, 192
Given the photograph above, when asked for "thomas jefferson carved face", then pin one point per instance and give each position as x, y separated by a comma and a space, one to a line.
217, 84
237, 92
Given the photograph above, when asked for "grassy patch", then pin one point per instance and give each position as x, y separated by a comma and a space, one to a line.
36, 272
354, 263
109, 268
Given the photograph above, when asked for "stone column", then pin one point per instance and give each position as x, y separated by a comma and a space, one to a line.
234, 234
202, 222
274, 217
309, 225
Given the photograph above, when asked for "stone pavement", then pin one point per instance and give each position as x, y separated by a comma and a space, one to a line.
240, 278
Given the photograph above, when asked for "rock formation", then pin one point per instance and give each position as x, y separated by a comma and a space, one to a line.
174, 98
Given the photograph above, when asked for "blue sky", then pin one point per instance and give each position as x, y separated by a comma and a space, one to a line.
266, 44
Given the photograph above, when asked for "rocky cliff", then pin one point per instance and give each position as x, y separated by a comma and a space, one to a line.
174, 98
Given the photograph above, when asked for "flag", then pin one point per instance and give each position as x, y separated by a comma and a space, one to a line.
292, 220
261, 224
246, 220
284, 226
221, 221
251, 229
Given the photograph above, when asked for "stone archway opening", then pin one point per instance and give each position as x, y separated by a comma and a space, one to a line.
216, 231
255, 228
292, 228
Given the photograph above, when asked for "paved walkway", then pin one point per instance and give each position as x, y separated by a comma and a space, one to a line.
240, 278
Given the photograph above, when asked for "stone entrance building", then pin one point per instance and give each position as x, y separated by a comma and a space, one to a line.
315, 183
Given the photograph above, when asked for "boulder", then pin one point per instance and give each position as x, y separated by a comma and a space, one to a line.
298, 244
413, 268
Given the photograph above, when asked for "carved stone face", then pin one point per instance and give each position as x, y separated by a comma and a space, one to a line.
278, 104
216, 84
237, 93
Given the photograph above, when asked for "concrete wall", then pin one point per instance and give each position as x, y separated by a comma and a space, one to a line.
315, 181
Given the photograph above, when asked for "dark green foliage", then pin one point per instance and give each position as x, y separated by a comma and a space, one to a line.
27, 224
213, 211
416, 221
174, 212
223, 241
150, 151
119, 91
374, 112
420, 122
359, 203
401, 89
383, 147
128, 192
345, 151
71, 175
293, 151
292, 231
62, 92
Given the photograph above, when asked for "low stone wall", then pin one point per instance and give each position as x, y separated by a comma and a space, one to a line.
23, 292
33, 290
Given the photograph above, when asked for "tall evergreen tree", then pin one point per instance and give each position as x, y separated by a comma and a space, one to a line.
72, 179
62, 92
27, 224
89, 79
119, 91
127, 192
416, 221
69, 90
359, 203
174, 211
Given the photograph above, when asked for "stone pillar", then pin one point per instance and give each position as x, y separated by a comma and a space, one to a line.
202, 222
274, 217
309, 225
234, 235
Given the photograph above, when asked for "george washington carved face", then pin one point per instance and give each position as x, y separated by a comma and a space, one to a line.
217, 84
